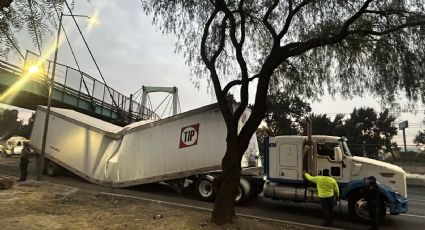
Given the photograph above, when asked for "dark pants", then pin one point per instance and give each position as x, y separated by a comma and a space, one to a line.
327, 210
373, 209
23, 166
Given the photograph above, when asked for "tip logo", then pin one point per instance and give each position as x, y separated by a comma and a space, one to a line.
189, 136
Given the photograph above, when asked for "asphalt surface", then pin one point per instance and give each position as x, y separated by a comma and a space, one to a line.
259, 207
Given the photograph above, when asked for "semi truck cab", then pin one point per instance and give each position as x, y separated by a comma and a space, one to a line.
286, 158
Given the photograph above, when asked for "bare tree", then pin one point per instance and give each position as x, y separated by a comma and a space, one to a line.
303, 47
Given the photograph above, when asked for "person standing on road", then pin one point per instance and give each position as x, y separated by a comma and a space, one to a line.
373, 199
24, 161
327, 189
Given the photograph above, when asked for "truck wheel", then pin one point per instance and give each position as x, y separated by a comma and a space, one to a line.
206, 188
244, 191
53, 169
257, 190
358, 209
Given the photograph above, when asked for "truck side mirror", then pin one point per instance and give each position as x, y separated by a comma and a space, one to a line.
337, 154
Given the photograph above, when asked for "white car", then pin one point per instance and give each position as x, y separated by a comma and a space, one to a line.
13, 146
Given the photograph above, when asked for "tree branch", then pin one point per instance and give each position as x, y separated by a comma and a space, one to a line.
244, 70
356, 16
221, 98
291, 15
222, 41
204, 54
5, 4
35, 27
239, 55
393, 12
10, 38
266, 22
236, 82
384, 32
243, 20
297, 48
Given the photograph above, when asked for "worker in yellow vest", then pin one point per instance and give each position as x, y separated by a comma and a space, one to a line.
328, 190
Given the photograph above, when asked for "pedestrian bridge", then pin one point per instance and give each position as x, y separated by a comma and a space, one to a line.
27, 87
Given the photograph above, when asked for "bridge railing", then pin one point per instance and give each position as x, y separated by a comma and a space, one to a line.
86, 87
10, 67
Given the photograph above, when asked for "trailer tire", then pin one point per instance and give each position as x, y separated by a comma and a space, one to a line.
53, 169
244, 191
357, 207
206, 188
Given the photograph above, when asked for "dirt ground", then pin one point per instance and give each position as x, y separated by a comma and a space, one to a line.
43, 205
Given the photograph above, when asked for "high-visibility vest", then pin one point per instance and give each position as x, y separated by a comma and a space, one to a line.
326, 185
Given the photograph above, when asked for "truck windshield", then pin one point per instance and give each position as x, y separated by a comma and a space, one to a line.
346, 149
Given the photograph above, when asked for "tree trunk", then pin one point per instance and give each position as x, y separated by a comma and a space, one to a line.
224, 210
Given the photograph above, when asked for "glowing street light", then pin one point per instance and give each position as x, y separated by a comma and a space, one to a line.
36, 70
40, 163
33, 69
93, 20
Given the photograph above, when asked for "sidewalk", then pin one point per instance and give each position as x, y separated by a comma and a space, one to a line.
43, 205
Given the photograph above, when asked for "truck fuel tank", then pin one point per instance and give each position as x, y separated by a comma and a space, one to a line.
290, 192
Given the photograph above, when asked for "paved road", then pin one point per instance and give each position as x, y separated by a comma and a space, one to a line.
261, 207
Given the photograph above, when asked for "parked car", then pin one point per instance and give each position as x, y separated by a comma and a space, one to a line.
13, 146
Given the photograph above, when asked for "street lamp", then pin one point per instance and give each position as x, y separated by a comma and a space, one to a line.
33, 69
40, 161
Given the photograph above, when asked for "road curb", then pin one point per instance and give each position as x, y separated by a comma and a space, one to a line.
209, 209
186, 206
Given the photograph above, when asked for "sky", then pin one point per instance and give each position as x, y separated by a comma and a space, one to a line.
132, 53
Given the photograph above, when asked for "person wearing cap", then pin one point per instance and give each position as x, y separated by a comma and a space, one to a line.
373, 198
24, 161
327, 189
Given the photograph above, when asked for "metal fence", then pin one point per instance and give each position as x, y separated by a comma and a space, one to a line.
9, 67
85, 87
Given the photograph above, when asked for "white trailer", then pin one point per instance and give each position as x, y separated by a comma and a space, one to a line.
185, 147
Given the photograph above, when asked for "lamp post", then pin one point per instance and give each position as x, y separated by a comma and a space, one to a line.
41, 159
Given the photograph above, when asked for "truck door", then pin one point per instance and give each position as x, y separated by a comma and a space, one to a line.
326, 160
289, 159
